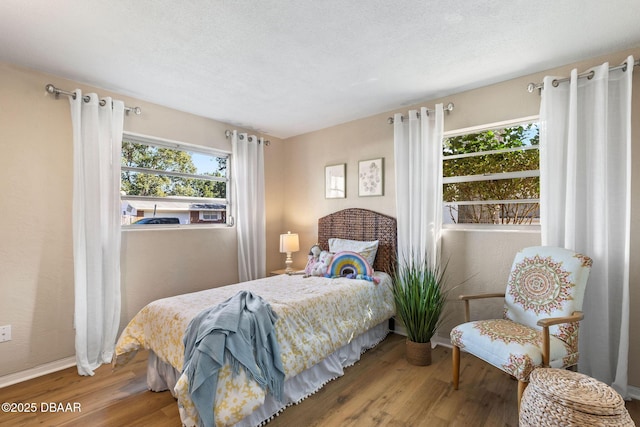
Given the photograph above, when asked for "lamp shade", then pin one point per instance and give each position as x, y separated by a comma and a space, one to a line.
289, 242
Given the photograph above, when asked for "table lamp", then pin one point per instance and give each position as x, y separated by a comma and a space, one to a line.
289, 243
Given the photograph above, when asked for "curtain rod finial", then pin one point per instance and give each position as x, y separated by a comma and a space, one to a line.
52, 89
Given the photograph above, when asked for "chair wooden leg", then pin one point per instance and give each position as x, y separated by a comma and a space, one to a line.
456, 366
521, 386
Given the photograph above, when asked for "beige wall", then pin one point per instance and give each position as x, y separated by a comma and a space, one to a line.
36, 261
480, 260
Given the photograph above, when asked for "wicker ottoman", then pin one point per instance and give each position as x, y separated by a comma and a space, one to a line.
557, 397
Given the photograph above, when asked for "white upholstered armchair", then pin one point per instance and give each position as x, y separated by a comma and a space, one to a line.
542, 310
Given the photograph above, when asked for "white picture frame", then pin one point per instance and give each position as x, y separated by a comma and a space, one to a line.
335, 181
371, 177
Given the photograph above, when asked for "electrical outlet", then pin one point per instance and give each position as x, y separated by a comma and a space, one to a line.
5, 333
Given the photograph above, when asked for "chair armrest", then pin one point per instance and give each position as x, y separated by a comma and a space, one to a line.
576, 316
550, 321
467, 298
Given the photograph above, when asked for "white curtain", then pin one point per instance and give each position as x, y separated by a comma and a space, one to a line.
97, 142
418, 165
247, 167
585, 187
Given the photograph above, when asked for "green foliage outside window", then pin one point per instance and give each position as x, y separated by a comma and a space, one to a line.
494, 189
135, 183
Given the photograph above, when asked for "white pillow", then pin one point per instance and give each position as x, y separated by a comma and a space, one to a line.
368, 250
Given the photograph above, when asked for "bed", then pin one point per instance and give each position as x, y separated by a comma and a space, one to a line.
324, 325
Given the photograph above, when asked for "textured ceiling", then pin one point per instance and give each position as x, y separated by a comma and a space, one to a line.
289, 67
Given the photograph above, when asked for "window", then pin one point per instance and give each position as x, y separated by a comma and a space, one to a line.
167, 179
492, 176
211, 216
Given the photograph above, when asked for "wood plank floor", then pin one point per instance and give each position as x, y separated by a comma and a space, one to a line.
380, 390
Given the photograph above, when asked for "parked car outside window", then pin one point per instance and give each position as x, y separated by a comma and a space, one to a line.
158, 221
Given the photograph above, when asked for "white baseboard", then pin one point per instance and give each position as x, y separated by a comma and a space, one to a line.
399, 329
438, 340
634, 392
38, 371
435, 340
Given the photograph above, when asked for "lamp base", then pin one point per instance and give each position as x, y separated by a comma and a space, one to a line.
288, 262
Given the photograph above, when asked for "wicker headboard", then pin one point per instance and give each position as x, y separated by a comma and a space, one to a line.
362, 224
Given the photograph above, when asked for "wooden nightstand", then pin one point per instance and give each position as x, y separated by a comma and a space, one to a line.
281, 271
276, 272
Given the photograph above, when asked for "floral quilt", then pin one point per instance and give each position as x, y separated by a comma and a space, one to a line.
317, 316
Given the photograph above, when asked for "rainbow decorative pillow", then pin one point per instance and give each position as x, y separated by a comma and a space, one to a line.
366, 249
351, 265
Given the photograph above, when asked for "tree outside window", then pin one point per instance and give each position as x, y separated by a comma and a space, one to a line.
179, 182
164, 162
492, 176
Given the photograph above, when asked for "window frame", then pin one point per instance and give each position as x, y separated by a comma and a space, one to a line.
489, 176
192, 148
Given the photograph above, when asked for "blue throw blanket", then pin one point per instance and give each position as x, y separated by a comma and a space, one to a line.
240, 330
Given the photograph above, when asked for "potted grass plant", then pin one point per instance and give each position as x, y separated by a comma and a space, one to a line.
420, 294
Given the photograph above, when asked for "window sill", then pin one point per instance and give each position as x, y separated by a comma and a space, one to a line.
533, 228
156, 227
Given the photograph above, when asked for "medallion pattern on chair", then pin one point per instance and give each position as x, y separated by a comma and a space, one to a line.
570, 360
540, 284
519, 365
568, 333
586, 261
507, 331
456, 338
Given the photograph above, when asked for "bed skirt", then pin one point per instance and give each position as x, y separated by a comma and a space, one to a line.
161, 376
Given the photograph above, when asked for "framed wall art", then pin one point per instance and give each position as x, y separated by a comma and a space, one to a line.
335, 181
371, 177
